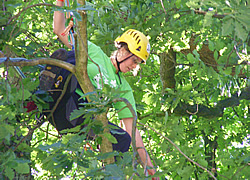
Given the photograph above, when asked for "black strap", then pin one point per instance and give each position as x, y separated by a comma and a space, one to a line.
118, 65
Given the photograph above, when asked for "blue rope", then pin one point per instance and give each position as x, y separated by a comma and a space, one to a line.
73, 40
70, 32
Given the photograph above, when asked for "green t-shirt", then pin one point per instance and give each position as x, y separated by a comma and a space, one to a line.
109, 77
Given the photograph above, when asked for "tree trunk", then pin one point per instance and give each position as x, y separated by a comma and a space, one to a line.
167, 69
210, 152
83, 79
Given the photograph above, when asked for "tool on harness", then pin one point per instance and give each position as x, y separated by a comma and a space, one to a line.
59, 80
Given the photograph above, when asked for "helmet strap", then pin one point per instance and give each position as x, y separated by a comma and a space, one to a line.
118, 63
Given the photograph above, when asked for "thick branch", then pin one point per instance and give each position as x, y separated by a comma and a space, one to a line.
184, 109
219, 16
167, 68
82, 53
33, 62
83, 78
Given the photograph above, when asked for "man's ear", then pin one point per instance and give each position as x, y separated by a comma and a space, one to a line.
122, 52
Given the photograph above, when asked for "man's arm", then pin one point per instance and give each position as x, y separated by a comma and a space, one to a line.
139, 143
59, 24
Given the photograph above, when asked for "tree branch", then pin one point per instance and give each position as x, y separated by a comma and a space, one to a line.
184, 109
24, 9
219, 16
178, 149
133, 125
33, 62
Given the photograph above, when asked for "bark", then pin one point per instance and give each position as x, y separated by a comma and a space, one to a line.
167, 69
206, 55
83, 78
184, 109
210, 152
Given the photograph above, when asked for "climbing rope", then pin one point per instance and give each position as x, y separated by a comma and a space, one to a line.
69, 30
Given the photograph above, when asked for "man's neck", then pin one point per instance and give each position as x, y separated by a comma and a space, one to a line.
113, 61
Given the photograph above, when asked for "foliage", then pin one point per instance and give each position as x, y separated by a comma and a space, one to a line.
205, 114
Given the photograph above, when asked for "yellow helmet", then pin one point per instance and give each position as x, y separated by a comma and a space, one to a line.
138, 44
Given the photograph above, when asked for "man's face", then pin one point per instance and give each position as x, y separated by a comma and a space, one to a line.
130, 63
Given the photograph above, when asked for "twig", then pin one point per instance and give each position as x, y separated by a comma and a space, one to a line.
178, 149
38, 142
239, 171
145, 163
151, 150
24, 9
29, 133
164, 8
135, 153
49, 133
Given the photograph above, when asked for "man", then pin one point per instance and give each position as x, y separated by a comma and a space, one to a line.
132, 49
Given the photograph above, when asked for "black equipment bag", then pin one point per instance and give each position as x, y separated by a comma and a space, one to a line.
68, 103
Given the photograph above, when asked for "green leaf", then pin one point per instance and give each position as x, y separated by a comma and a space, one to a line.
175, 103
77, 113
79, 92
240, 31
71, 130
227, 27
208, 19
197, 55
187, 171
6, 130
188, 87
178, 4
216, 55
110, 137
9, 173
114, 171
243, 20
191, 58
22, 168
23, 94
106, 155
211, 45
47, 147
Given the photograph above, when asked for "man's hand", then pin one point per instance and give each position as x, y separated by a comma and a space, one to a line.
152, 172
139, 143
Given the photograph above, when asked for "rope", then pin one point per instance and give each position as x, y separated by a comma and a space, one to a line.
69, 30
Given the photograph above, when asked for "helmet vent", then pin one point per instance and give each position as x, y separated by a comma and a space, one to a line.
138, 41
